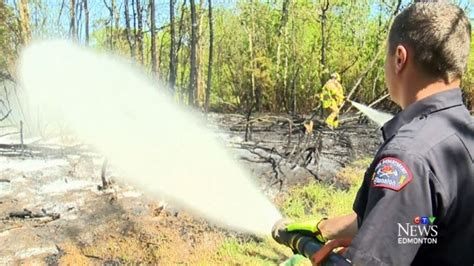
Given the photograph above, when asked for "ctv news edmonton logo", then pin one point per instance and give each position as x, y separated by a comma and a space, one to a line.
421, 231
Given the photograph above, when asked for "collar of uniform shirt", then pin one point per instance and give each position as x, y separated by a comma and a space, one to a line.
424, 107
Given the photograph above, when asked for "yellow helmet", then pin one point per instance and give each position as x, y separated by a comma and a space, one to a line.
336, 76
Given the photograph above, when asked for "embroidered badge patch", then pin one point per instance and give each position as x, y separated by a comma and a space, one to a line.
391, 173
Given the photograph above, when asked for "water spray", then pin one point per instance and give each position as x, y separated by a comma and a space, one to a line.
377, 116
161, 149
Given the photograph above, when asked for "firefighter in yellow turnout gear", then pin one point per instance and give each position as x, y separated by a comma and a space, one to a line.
332, 97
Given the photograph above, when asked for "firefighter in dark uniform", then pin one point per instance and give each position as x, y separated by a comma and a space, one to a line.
424, 170
415, 205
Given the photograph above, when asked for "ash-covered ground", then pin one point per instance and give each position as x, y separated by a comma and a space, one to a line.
52, 209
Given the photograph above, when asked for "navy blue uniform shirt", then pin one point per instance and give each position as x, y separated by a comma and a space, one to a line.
416, 203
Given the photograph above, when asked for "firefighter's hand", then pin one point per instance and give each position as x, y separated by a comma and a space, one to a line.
308, 227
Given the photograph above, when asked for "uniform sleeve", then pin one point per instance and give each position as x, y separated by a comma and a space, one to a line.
395, 193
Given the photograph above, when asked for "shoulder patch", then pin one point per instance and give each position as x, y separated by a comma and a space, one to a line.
391, 173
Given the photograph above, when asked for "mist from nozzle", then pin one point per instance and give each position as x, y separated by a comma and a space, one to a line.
377, 116
159, 148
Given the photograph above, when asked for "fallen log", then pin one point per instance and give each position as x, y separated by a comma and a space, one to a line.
27, 214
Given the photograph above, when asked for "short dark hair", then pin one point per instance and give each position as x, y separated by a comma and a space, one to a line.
439, 33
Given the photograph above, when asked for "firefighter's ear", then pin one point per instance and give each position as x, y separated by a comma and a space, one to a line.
401, 57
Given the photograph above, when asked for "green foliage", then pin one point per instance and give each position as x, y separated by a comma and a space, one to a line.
283, 56
9, 29
253, 40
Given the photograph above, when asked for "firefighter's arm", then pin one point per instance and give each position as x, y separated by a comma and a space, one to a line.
340, 94
339, 91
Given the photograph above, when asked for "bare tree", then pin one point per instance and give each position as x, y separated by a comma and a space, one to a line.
200, 93
86, 11
153, 37
113, 22
179, 44
211, 51
61, 12
128, 30
139, 33
323, 21
251, 31
281, 31
193, 72
24, 21
110, 22
172, 74
79, 10
134, 26
72, 22
160, 55
116, 25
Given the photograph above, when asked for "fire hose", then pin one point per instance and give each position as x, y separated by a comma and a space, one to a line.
308, 246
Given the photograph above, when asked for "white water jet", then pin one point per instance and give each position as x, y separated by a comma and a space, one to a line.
377, 116
161, 149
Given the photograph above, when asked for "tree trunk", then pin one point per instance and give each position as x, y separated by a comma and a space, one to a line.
200, 93
295, 75
181, 27
286, 100
184, 65
86, 11
24, 21
116, 26
193, 72
128, 29
323, 42
178, 49
252, 61
110, 29
153, 37
139, 36
324, 9
160, 57
211, 54
280, 91
79, 11
72, 23
134, 27
172, 75
60, 13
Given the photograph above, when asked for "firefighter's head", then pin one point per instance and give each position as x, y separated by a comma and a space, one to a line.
428, 44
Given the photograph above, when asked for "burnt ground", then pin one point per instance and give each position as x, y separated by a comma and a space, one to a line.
281, 152
53, 212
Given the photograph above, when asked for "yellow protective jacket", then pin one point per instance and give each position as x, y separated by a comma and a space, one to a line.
332, 94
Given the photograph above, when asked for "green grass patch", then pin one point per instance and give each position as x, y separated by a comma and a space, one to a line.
312, 201
235, 251
317, 200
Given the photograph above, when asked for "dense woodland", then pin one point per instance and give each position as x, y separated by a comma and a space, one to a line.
226, 55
